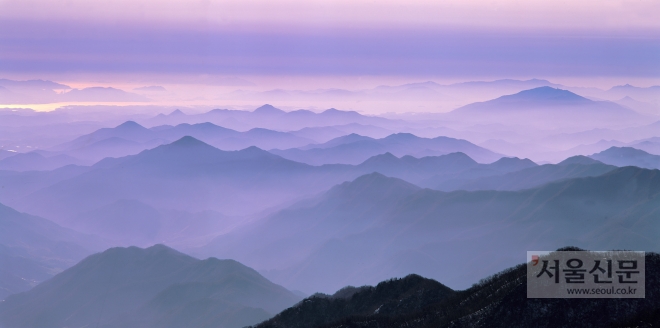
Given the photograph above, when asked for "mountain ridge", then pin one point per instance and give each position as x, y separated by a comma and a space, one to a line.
113, 287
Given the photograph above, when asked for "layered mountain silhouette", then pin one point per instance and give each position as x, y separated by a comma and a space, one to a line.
130, 138
354, 149
386, 95
190, 175
548, 107
187, 175
497, 301
377, 227
525, 178
390, 298
33, 249
152, 287
173, 185
270, 117
326, 133
649, 94
431, 170
628, 156
639, 106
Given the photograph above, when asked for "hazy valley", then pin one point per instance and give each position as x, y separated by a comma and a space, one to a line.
153, 216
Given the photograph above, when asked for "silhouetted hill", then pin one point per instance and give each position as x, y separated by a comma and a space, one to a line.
343, 210
574, 167
353, 137
33, 249
625, 156
393, 231
549, 107
152, 287
192, 176
639, 106
270, 117
354, 149
187, 175
268, 110
113, 142
391, 298
529, 99
582, 160
649, 94
439, 168
465, 171
324, 134
128, 130
497, 301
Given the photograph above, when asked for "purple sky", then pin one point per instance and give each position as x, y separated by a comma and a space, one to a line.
467, 39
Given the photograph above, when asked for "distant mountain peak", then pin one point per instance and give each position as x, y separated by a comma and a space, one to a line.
129, 125
268, 109
623, 151
255, 150
177, 112
402, 136
628, 156
382, 158
116, 255
540, 97
188, 141
513, 160
334, 111
373, 184
548, 93
579, 159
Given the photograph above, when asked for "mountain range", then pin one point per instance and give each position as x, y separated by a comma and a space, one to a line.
270, 117
149, 197
497, 301
130, 138
548, 107
152, 287
185, 175
628, 156
524, 178
355, 149
376, 227
190, 175
33, 249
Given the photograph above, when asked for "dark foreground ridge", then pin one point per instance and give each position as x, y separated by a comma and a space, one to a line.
498, 301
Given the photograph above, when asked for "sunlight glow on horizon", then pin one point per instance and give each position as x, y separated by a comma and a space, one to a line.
329, 44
